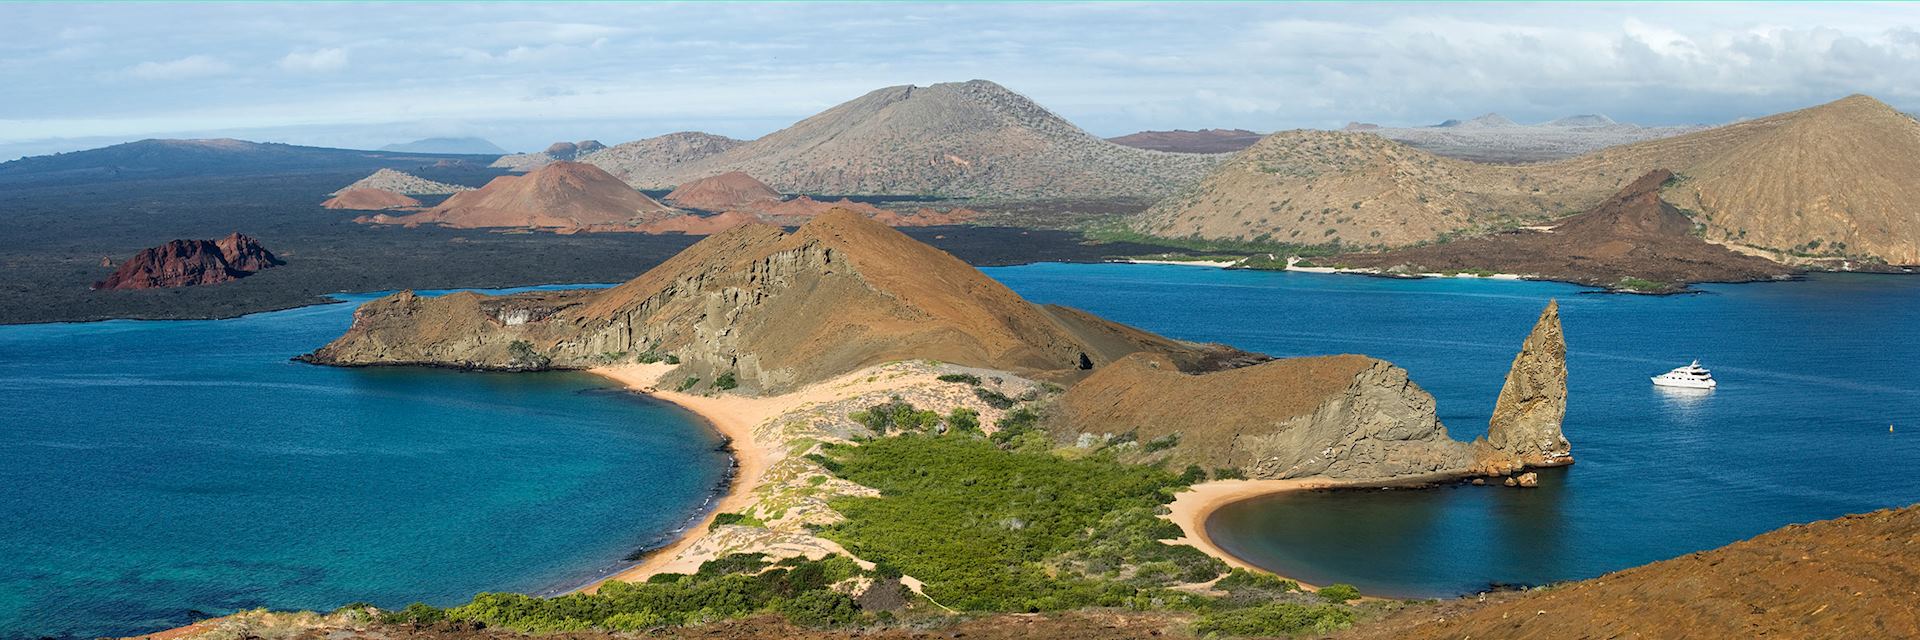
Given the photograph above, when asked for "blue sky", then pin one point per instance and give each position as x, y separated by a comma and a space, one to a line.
362, 75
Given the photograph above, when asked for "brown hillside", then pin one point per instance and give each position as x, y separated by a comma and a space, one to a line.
1851, 577
365, 199
730, 190
777, 309
561, 195
1183, 141
1838, 177
1635, 234
652, 155
959, 139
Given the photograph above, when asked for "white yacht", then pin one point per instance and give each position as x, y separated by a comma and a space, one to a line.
1692, 376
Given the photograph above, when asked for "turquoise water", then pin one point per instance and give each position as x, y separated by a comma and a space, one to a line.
1812, 373
152, 472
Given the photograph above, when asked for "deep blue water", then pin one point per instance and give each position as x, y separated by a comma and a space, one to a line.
149, 470
1812, 373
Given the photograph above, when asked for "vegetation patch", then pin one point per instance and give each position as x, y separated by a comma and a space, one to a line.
989, 529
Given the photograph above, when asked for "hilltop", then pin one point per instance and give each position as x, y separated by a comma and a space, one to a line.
727, 191
556, 152
840, 293
629, 159
561, 195
1184, 141
369, 199
157, 158
1832, 180
406, 184
962, 139
1496, 138
188, 263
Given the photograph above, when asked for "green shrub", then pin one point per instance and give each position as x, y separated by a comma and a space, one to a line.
725, 381
649, 357
1244, 580
819, 609
1339, 593
687, 383
721, 519
672, 359
963, 420
960, 377
1163, 443
416, 613
520, 353
1274, 619
895, 415
993, 530
1228, 473
993, 398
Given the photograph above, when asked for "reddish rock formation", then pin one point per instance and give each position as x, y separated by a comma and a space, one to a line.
562, 195
363, 199
725, 192
186, 263
697, 225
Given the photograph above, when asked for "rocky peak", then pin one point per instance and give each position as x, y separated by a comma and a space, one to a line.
1525, 429
186, 263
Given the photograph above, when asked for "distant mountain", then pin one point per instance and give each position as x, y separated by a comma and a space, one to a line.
1183, 141
172, 158
1838, 180
556, 152
1496, 138
403, 183
562, 195
964, 139
1630, 240
629, 160
468, 146
727, 191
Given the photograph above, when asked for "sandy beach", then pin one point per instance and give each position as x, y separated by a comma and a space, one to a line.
734, 417
1190, 510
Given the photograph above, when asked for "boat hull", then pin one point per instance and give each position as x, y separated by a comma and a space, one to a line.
1685, 384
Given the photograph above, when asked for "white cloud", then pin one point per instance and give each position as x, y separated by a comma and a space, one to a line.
193, 66
322, 60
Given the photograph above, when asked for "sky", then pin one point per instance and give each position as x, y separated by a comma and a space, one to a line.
357, 75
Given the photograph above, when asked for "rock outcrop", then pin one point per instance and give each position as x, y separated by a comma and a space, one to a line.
1183, 141
405, 184
1344, 417
1525, 429
1347, 417
369, 199
775, 310
561, 195
728, 191
556, 152
186, 263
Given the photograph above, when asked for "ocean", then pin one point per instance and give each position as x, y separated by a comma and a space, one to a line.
1812, 373
152, 473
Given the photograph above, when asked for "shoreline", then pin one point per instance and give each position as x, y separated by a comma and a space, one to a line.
1192, 509
734, 418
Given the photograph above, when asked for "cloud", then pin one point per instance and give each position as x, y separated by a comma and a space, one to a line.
193, 66
321, 60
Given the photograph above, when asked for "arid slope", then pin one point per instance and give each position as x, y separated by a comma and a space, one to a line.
776, 310
1633, 238
1855, 576
560, 195
1837, 179
967, 139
